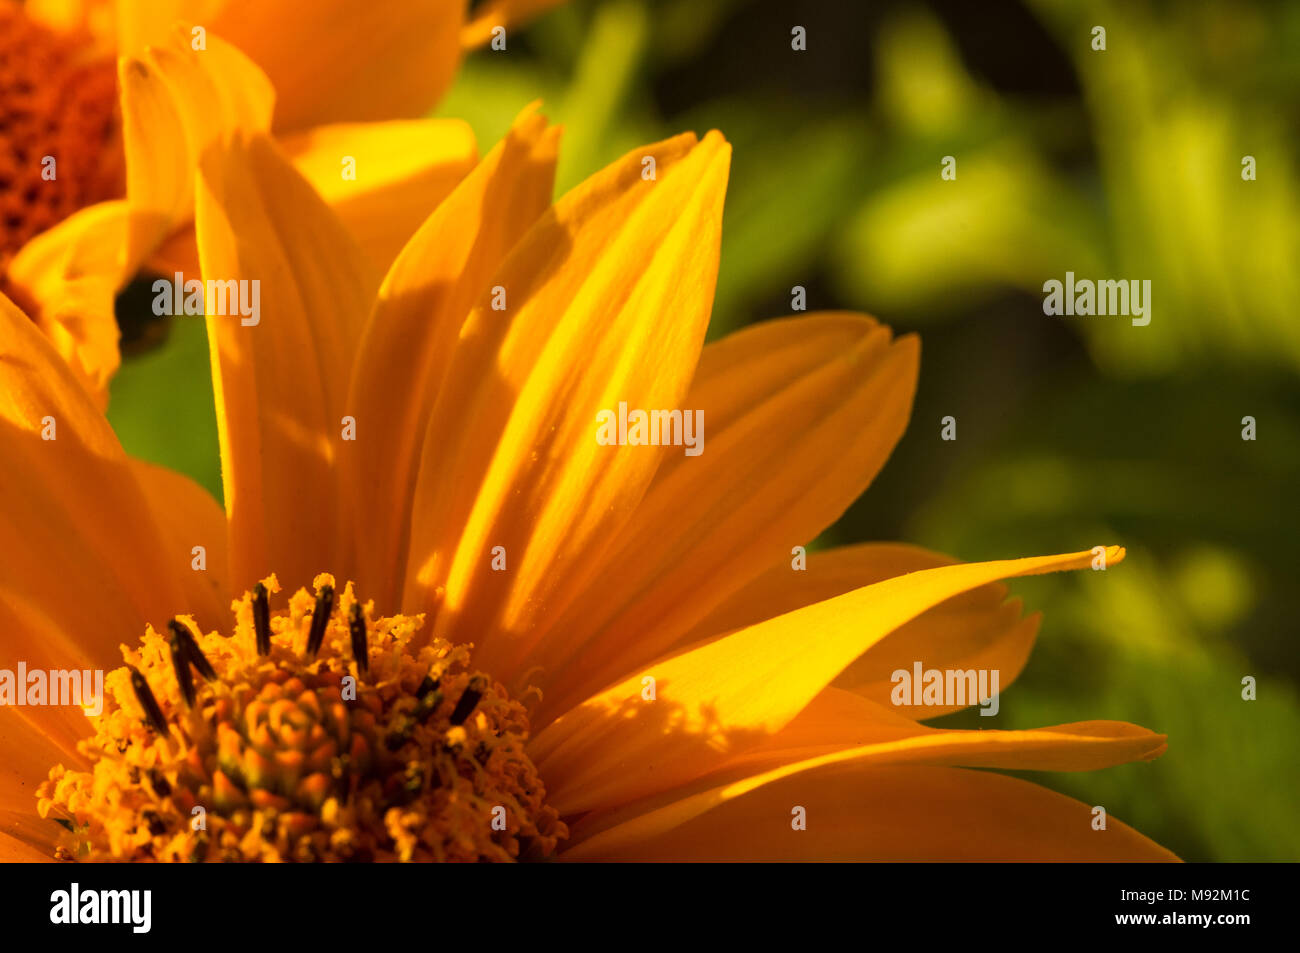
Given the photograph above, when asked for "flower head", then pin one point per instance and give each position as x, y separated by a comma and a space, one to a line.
689, 687
320, 734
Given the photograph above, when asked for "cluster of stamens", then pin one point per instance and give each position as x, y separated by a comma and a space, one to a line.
308, 735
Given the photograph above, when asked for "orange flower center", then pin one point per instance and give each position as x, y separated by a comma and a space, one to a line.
310, 734
60, 147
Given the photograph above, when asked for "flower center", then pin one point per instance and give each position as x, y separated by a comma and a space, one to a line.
309, 734
60, 144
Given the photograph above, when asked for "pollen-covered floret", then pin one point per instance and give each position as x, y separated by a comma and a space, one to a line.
309, 734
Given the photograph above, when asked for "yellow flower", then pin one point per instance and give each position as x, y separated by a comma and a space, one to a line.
650, 676
341, 79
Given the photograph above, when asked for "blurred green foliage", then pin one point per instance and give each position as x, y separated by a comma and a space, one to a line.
1071, 431
161, 405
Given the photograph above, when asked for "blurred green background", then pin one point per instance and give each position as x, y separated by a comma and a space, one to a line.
1071, 431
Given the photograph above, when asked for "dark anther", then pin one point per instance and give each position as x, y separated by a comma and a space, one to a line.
320, 618
144, 695
357, 624
339, 767
262, 619
181, 664
398, 736
200, 661
414, 778
427, 705
426, 686
473, 692
160, 784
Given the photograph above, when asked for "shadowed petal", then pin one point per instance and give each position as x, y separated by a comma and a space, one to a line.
511, 458
412, 333
857, 813
800, 415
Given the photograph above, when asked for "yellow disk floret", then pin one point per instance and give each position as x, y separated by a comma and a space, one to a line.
309, 734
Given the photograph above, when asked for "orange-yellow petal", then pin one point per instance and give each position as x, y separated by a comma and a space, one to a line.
44, 638
404, 170
177, 102
90, 20
17, 849
67, 278
82, 565
799, 416
142, 23
29, 740
979, 629
857, 730
179, 252
504, 13
329, 60
719, 699
80, 547
192, 528
412, 331
383, 179
857, 813
280, 375
837, 720
511, 458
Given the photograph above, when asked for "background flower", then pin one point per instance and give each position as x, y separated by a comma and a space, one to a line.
127, 94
